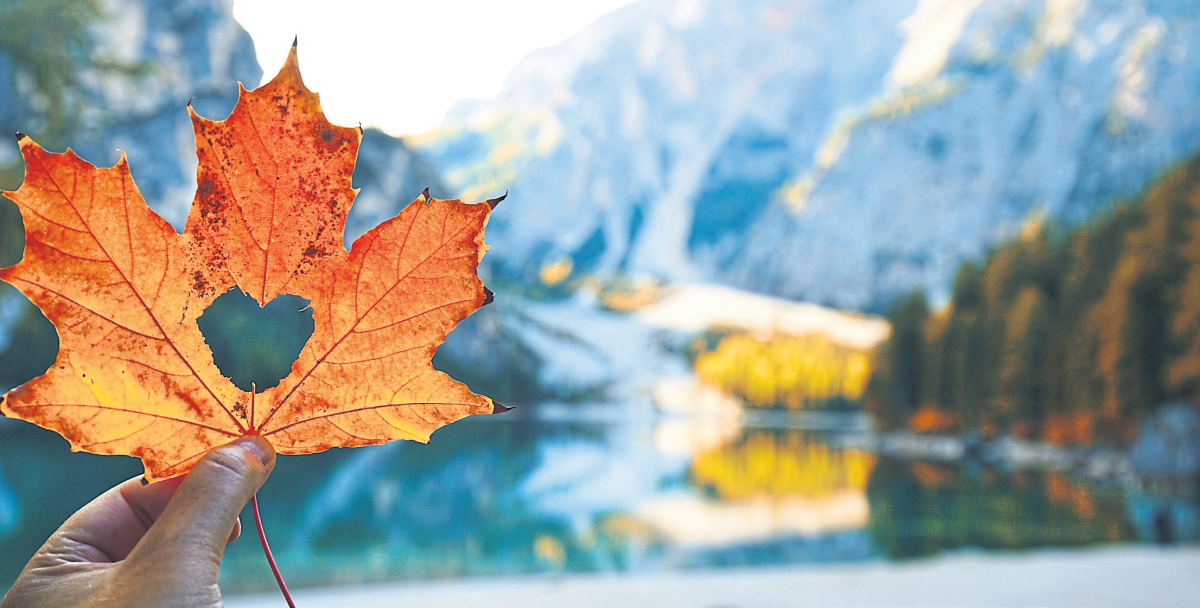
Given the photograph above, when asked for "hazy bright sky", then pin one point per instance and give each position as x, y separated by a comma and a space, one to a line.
400, 65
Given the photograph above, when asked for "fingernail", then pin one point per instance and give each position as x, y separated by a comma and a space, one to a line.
256, 447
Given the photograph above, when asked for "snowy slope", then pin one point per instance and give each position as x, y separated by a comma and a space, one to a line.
840, 152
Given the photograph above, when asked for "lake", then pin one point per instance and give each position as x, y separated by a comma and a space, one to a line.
509, 494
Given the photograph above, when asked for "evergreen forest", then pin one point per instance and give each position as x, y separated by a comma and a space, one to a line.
1071, 336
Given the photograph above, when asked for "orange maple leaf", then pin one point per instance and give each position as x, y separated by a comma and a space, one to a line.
134, 375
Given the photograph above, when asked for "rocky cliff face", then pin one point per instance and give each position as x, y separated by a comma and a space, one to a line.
837, 152
142, 63
390, 176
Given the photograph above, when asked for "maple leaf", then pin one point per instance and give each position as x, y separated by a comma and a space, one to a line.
134, 374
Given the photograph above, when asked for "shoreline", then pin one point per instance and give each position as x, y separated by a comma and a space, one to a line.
1096, 462
1120, 575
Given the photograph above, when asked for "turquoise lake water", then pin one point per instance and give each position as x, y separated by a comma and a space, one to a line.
505, 494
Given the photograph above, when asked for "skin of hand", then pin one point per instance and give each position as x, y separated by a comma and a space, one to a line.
149, 546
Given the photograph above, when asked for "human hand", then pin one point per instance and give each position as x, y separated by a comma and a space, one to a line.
149, 546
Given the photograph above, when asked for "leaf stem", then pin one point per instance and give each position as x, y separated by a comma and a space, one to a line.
262, 537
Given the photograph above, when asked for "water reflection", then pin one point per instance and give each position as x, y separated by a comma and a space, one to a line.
8, 507
1166, 515
919, 508
500, 495
766, 484
781, 464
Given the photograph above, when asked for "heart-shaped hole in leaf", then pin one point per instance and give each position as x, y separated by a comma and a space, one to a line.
253, 345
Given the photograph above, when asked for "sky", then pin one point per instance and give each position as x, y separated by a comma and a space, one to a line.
399, 65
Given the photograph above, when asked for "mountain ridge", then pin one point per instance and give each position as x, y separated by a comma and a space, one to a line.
839, 153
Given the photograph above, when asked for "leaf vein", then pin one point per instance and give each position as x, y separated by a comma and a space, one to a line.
145, 307
124, 411
321, 359
361, 409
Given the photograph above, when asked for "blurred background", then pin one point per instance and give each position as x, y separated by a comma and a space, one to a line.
779, 282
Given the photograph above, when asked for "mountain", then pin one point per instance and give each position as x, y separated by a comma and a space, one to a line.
840, 152
127, 80
389, 176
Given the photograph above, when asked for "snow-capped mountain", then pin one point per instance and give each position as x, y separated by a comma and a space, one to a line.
842, 152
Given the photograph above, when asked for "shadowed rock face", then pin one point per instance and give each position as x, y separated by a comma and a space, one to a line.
164, 53
390, 176
838, 152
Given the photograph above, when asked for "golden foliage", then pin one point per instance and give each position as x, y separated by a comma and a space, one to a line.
550, 550
1070, 428
932, 475
785, 371
775, 466
930, 419
622, 294
555, 272
1069, 336
1062, 490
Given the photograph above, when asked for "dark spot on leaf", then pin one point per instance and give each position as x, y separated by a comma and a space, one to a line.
199, 282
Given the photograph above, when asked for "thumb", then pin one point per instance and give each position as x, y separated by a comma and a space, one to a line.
193, 529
